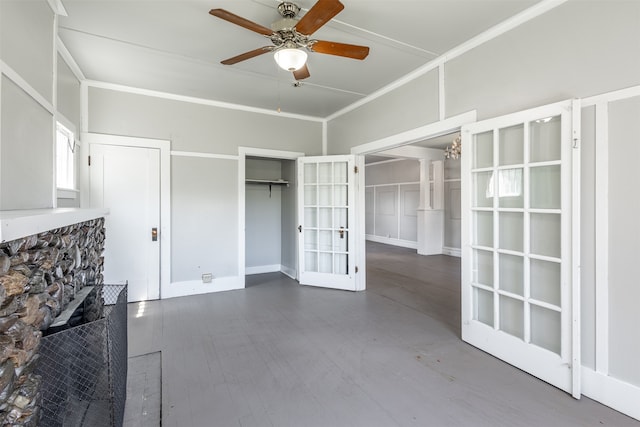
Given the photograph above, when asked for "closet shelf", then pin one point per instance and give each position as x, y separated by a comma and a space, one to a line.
267, 181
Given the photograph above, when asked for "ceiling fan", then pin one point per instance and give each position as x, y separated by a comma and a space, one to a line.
291, 36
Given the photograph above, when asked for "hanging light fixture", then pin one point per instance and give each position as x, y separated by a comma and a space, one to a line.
289, 57
454, 151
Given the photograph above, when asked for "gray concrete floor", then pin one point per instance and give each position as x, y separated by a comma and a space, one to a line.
281, 354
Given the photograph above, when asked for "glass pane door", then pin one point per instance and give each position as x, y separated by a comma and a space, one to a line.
517, 252
326, 232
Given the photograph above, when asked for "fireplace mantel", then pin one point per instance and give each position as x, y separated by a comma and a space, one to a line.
21, 223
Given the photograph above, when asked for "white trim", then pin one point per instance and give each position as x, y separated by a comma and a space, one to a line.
576, 337
57, 7
325, 142
164, 146
22, 223
67, 193
619, 395
194, 100
54, 125
205, 155
392, 184
68, 59
602, 238
243, 152
410, 136
457, 252
617, 95
260, 269
196, 287
493, 32
290, 272
22, 84
381, 162
442, 112
391, 241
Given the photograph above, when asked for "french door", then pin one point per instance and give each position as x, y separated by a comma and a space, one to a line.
520, 231
327, 231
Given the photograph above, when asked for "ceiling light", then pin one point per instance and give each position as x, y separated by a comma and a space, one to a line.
290, 59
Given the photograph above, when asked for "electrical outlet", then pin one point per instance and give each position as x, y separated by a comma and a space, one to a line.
207, 277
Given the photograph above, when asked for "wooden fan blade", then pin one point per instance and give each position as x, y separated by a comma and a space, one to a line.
341, 49
238, 20
302, 73
247, 55
318, 15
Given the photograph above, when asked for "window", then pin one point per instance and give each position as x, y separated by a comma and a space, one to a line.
65, 158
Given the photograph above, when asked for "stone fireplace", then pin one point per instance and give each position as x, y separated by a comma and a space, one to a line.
47, 258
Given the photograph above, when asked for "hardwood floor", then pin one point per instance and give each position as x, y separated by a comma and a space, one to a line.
281, 354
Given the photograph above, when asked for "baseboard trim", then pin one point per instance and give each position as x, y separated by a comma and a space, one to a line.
452, 251
395, 242
196, 287
290, 272
259, 269
616, 394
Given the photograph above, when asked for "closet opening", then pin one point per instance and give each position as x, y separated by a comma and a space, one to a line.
270, 216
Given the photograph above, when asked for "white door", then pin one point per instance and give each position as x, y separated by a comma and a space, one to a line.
127, 181
520, 241
327, 231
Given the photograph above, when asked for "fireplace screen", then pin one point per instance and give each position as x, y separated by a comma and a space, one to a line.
84, 368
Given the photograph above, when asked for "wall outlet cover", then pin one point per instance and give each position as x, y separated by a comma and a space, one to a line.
207, 277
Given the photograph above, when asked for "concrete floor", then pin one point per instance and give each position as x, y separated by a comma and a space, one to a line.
281, 354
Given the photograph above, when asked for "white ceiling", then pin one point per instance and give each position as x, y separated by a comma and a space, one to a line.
176, 47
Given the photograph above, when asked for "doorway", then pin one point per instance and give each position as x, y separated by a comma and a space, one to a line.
130, 177
270, 216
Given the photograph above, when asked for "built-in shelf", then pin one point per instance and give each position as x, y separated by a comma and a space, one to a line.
267, 181
21, 223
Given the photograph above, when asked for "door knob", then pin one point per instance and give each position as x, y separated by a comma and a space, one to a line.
341, 232
154, 234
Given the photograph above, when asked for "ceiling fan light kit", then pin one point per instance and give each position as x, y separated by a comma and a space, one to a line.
290, 36
290, 59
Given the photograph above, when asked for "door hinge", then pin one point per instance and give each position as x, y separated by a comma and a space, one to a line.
89, 160
356, 268
355, 169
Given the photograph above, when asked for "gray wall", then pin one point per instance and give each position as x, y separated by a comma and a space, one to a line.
204, 220
26, 42
263, 214
391, 200
289, 220
414, 104
203, 191
624, 240
452, 207
578, 49
26, 179
68, 104
26, 140
68, 93
196, 127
